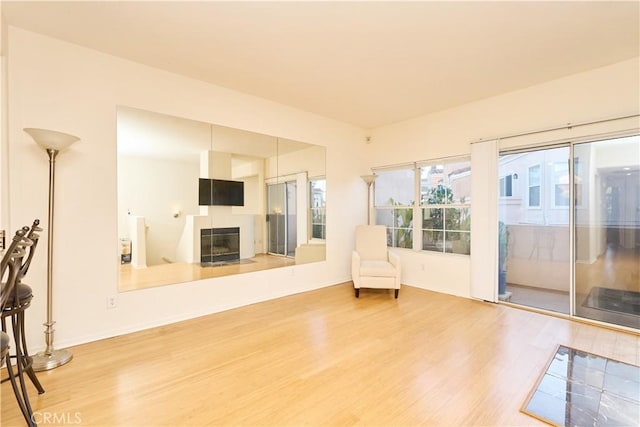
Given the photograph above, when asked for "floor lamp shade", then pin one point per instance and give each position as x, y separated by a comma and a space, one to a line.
53, 142
51, 139
368, 179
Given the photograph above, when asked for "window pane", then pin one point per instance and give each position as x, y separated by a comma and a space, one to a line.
403, 238
533, 255
561, 183
318, 221
534, 186
318, 216
318, 231
458, 242
384, 217
394, 188
317, 200
432, 218
508, 186
457, 219
534, 196
403, 217
446, 183
437, 195
534, 175
432, 185
458, 180
399, 223
432, 240
562, 195
607, 231
318, 192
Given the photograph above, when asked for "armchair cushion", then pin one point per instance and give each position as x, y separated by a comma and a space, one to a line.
377, 268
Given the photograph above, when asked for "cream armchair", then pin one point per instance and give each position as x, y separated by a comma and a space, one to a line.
373, 265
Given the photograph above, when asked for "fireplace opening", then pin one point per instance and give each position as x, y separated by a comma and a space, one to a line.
219, 245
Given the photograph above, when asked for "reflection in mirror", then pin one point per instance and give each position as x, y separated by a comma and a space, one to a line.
197, 200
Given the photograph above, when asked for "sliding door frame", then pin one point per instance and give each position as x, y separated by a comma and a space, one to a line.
571, 143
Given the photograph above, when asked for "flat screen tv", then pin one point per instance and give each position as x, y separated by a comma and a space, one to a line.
220, 192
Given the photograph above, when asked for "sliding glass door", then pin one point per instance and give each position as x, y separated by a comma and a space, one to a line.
282, 218
569, 229
534, 233
607, 231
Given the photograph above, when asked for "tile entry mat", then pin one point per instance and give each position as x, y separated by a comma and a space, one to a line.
580, 389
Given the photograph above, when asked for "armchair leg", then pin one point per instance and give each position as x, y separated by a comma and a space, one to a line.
357, 292
396, 293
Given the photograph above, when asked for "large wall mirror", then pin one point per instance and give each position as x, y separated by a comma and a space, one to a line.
198, 200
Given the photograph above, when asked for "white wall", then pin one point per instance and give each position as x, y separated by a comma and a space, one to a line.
601, 93
4, 149
252, 173
311, 160
77, 92
156, 189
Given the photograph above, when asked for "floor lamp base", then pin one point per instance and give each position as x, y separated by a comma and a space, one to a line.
45, 362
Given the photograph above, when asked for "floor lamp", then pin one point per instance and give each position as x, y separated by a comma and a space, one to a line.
53, 142
369, 179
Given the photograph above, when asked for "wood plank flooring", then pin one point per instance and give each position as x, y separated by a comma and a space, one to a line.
321, 358
131, 279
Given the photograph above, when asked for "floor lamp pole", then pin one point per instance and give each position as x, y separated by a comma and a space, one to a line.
369, 179
53, 142
369, 204
50, 358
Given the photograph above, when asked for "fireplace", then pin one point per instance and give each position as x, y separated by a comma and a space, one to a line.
219, 245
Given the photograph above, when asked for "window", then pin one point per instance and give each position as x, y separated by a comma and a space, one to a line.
561, 184
394, 199
506, 186
439, 194
534, 186
318, 207
445, 202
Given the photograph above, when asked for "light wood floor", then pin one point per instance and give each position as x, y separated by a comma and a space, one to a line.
547, 299
322, 358
165, 274
617, 268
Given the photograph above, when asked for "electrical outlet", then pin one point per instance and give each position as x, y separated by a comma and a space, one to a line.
2, 241
422, 267
112, 301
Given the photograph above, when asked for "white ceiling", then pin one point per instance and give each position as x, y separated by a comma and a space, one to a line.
366, 63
